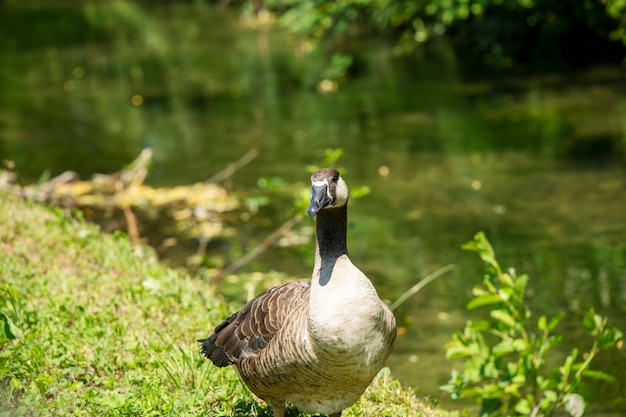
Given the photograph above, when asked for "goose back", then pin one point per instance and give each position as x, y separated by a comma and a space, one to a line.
246, 332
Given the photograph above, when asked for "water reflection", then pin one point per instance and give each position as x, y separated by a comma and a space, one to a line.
536, 162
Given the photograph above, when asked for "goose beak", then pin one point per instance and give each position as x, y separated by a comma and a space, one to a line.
319, 199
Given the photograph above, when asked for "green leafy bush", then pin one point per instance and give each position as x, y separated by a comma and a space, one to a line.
497, 33
506, 357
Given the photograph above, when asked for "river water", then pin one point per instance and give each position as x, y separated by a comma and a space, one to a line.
537, 161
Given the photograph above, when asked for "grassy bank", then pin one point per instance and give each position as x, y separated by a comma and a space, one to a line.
105, 329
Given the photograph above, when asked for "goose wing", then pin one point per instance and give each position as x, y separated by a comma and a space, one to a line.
248, 331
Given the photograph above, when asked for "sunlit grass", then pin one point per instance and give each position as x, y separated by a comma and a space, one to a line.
107, 330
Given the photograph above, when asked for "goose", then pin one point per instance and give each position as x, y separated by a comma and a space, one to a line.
318, 344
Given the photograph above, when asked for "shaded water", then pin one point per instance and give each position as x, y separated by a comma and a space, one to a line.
537, 162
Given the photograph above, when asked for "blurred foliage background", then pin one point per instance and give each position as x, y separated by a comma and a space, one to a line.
492, 33
495, 33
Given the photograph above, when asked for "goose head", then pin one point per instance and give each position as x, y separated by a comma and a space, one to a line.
328, 190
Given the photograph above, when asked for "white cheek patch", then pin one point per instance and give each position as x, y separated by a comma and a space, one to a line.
342, 192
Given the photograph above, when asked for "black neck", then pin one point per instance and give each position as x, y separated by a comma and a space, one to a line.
331, 231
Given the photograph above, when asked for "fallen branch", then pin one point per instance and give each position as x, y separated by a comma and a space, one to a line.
193, 210
131, 223
229, 171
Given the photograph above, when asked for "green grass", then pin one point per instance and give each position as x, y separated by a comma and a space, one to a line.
106, 330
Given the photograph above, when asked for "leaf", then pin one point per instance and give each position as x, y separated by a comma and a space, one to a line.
490, 371
520, 284
111, 401
507, 280
477, 291
593, 323
574, 404
520, 344
490, 406
454, 383
609, 338
550, 395
554, 321
569, 362
483, 248
549, 398
504, 347
451, 388
457, 351
504, 318
9, 330
603, 376
483, 300
553, 341
505, 294
509, 346
479, 325
518, 377
523, 407
542, 323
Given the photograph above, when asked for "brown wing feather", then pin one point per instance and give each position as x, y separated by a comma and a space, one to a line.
248, 331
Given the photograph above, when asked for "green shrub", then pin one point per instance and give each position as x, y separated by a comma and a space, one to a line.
498, 33
506, 357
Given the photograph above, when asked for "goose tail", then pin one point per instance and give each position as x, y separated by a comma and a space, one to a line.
215, 353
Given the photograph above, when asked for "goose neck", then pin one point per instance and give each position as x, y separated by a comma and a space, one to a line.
330, 233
